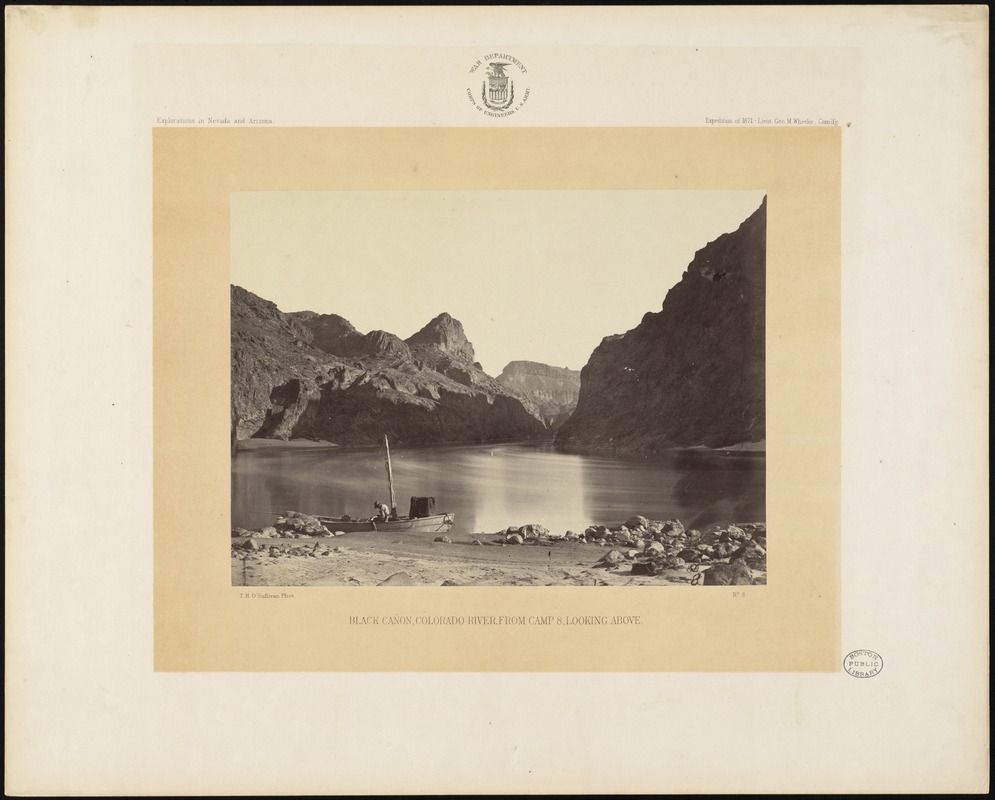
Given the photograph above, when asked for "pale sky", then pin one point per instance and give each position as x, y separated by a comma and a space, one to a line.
532, 275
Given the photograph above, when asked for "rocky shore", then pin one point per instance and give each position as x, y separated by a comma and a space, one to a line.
298, 550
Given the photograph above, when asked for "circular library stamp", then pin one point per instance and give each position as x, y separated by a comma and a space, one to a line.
863, 663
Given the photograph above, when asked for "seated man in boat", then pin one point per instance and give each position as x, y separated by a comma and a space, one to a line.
383, 513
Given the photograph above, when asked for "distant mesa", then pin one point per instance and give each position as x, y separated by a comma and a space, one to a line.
554, 390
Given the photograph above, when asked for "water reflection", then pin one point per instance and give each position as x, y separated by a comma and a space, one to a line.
491, 487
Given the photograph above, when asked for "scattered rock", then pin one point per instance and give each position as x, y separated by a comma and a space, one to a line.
623, 537
597, 532
295, 522
339, 533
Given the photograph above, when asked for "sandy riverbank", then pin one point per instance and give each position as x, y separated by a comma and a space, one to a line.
374, 559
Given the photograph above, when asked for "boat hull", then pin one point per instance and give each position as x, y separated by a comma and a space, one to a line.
436, 522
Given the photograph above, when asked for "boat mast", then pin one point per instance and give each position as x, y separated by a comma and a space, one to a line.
390, 480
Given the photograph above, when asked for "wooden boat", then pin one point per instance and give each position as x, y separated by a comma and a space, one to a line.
436, 522
429, 522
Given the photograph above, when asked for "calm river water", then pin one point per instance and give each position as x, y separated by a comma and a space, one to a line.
490, 487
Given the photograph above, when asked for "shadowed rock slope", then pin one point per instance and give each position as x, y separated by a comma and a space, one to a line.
309, 375
690, 374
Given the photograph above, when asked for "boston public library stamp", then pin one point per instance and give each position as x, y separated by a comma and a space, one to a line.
863, 663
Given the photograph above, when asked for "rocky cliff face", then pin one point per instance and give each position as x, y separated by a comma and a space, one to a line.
309, 375
692, 373
445, 334
554, 390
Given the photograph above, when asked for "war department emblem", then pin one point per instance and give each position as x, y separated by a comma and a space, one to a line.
497, 94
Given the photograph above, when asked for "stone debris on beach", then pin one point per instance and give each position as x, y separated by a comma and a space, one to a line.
718, 555
293, 525
653, 547
298, 523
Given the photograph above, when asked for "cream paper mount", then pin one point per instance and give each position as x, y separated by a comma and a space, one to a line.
202, 623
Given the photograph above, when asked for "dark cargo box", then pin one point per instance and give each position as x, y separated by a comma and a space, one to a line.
422, 507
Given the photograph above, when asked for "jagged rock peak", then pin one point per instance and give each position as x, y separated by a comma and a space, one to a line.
387, 343
447, 334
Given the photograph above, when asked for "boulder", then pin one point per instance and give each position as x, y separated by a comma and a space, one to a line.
753, 554
398, 579
636, 521
443, 539
645, 567
295, 522
612, 559
251, 545
515, 538
736, 573
533, 531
